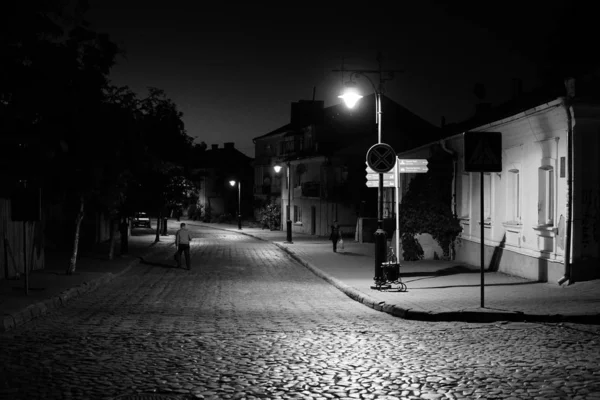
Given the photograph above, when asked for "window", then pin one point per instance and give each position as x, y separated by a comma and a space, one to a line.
297, 214
465, 195
546, 195
513, 196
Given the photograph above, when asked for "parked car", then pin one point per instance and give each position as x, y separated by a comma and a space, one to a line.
141, 219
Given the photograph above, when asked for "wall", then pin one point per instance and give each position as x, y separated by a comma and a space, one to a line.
586, 192
520, 244
11, 245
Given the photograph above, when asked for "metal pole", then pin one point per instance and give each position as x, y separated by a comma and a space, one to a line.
397, 183
239, 205
380, 235
482, 240
289, 210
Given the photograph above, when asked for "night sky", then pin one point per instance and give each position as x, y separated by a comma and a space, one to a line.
233, 70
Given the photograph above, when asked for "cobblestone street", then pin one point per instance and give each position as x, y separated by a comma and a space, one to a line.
249, 322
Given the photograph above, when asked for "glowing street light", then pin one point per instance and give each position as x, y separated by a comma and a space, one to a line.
288, 222
239, 216
351, 96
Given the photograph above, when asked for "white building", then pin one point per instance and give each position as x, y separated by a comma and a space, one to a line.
526, 205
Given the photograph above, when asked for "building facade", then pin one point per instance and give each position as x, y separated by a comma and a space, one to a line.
550, 166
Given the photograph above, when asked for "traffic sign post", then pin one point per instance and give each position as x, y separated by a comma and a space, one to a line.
375, 184
412, 169
375, 177
412, 162
483, 153
381, 158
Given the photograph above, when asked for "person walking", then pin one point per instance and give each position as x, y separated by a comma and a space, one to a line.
183, 239
335, 235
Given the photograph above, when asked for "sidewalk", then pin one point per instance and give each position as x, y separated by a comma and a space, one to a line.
437, 290
50, 288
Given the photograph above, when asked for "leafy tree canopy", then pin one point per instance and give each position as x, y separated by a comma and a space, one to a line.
426, 208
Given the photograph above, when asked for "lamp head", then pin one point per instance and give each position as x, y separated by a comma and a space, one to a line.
350, 94
277, 168
232, 182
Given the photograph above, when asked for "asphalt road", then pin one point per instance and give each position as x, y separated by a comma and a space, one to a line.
249, 322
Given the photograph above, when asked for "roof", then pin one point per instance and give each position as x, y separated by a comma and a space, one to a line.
400, 126
587, 91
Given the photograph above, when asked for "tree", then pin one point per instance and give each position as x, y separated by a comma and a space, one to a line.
426, 208
54, 71
165, 148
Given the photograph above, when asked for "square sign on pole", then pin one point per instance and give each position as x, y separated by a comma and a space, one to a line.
483, 153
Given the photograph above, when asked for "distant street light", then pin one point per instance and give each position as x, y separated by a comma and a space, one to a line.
239, 216
288, 222
350, 97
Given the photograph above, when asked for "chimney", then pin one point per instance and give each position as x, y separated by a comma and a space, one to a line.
229, 145
214, 146
517, 85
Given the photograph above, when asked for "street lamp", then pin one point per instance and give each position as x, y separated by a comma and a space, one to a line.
288, 222
239, 216
351, 96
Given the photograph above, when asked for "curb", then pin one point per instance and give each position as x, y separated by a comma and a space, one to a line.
11, 321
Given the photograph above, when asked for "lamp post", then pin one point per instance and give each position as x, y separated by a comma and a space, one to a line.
288, 222
239, 215
351, 96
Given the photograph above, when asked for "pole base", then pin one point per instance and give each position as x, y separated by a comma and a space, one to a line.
382, 287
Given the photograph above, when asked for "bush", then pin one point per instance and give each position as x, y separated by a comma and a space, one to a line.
223, 218
270, 216
411, 248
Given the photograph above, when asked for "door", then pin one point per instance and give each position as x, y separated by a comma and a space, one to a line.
313, 220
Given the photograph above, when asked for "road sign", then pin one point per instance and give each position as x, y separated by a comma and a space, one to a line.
375, 177
381, 157
412, 162
483, 151
375, 184
413, 169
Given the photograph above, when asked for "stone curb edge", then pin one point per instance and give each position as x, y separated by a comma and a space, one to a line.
32, 311
456, 316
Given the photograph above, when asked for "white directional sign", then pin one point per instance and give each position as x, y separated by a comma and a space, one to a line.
417, 161
375, 177
413, 169
375, 184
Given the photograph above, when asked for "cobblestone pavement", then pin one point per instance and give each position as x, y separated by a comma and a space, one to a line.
248, 322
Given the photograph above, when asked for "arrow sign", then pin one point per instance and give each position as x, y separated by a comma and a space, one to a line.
413, 169
412, 162
375, 184
375, 177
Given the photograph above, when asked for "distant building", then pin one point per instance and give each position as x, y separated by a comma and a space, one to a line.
325, 149
214, 169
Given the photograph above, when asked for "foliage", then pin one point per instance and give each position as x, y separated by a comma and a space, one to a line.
426, 208
225, 217
270, 216
207, 214
411, 248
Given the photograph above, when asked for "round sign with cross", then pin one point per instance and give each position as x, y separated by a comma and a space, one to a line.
381, 158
